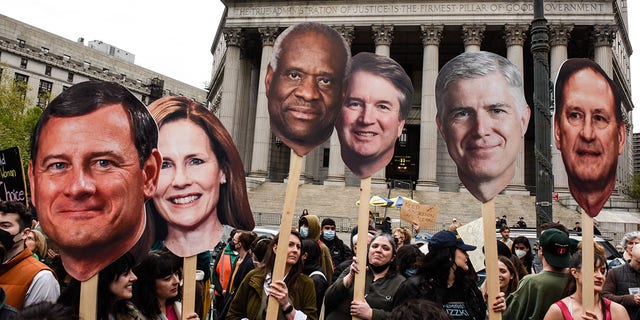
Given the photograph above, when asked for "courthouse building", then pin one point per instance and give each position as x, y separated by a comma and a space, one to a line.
422, 36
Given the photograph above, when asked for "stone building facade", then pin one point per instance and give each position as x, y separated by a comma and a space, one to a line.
422, 36
49, 64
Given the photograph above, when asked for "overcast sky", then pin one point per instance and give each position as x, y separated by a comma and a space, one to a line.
174, 38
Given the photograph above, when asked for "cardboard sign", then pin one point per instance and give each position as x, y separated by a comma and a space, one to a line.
12, 184
422, 214
486, 162
472, 233
589, 131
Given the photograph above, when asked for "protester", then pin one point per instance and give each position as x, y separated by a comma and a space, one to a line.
522, 249
347, 263
309, 227
7, 312
311, 267
223, 269
629, 240
25, 280
446, 278
381, 282
157, 292
243, 264
409, 260
295, 294
339, 251
201, 188
259, 249
505, 231
46, 311
402, 236
37, 243
521, 223
537, 292
115, 291
571, 307
622, 283
418, 309
507, 276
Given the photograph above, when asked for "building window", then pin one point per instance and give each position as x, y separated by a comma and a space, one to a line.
44, 93
70, 77
325, 158
21, 43
22, 83
66, 58
47, 70
23, 63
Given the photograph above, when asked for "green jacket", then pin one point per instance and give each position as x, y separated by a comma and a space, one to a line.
535, 294
248, 299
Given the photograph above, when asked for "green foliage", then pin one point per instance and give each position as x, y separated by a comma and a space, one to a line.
634, 190
18, 117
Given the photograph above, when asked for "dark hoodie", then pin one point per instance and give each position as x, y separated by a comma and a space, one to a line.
313, 222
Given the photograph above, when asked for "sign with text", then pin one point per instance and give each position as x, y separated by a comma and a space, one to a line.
12, 186
422, 214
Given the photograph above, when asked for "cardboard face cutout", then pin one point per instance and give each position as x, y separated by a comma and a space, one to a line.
589, 131
88, 179
201, 184
376, 103
482, 118
304, 84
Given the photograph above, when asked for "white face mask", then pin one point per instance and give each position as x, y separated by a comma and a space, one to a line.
520, 253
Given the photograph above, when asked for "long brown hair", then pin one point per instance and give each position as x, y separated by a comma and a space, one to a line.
233, 204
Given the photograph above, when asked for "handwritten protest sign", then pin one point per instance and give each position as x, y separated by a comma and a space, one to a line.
12, 184
422, 214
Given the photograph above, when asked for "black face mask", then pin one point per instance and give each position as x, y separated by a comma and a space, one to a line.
378, 269
6, 239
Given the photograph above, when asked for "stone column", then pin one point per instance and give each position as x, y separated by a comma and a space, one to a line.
515, 35
262, 133
234, 40
472, 35
603, 53
241, 116
431, 36
335, 173
558, 40
382, 37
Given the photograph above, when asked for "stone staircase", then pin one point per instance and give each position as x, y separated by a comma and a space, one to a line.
339, 201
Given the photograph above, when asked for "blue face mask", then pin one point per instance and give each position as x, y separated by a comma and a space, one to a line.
410, 272
329, 234
304, 232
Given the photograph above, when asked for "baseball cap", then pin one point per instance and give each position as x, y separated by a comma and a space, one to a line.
555, 247
447, 239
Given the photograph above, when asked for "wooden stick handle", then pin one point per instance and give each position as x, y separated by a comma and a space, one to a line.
587, 261
363, 229
286, 223
188, 285
491, 256
89, 298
